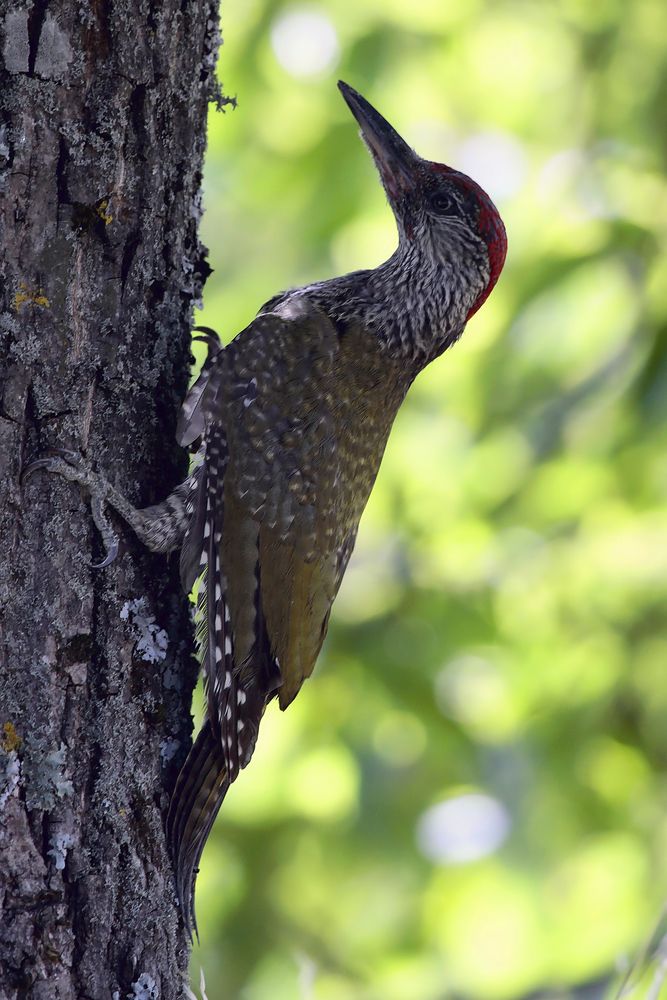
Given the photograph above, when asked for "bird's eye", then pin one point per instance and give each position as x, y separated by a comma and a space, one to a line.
443, 203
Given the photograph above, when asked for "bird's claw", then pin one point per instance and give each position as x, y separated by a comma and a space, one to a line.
71, 466
112, 552
63, 462
40, 463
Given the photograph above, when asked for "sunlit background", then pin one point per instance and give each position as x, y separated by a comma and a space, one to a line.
468, 799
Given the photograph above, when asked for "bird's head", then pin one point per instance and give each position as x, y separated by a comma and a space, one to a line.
440, 212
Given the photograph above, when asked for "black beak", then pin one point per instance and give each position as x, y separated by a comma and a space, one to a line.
394, 158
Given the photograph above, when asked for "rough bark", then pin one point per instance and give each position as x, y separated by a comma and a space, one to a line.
102, 132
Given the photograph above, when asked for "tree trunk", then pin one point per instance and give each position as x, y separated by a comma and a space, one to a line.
102, 133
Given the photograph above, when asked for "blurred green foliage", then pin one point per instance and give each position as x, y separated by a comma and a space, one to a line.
499, 643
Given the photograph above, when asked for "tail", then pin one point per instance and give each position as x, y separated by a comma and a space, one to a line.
201, 786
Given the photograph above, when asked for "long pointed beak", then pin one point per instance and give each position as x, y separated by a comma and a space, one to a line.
394, 158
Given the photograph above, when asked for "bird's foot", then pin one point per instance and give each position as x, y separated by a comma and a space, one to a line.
71, 466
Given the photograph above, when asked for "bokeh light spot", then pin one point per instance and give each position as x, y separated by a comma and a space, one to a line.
462, 829
304, 42
495, 160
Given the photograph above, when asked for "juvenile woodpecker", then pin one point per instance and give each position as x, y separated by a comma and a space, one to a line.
290, 422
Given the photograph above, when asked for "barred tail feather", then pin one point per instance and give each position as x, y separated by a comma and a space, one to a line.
234, 705
204, 778
200, 789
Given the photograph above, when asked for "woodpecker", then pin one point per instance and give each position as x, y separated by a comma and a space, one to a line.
289, 423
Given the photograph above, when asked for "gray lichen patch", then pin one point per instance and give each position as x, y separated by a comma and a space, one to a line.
44, 778
151, 640
168, 749
145, 988
60, 843
10, 776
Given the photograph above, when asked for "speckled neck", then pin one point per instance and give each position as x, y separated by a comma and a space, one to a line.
416, 302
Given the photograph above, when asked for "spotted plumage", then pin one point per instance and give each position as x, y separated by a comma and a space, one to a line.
289, 423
